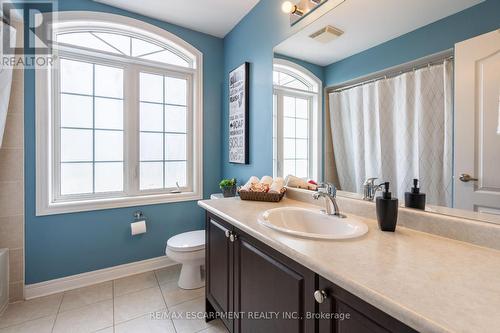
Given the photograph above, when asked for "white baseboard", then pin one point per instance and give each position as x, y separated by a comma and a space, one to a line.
86, 279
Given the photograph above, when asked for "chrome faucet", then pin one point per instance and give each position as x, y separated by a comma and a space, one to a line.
328, 191
370, 189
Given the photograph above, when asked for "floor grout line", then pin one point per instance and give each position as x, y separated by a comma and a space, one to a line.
81, 306
165, 301
185, 301
113, 297
134, 318
143, 289
57, 313
138, 291
84, 306
102, 329
161, 291
26, 321
134, 291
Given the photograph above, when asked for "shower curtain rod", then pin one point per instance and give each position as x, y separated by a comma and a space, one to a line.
391, 72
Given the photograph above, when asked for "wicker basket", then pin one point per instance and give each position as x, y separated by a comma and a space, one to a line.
262, 196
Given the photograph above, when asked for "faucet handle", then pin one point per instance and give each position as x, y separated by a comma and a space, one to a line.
370, 181
329, 188
332, 190
323, 187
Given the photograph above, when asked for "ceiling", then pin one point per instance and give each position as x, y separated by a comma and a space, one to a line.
213, 17
367, 23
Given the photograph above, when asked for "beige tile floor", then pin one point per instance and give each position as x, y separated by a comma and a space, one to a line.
122, 306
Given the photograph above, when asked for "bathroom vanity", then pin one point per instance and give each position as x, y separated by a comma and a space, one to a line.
273, 293
405, 281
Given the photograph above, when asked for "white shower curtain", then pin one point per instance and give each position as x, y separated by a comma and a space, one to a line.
5, 82
397, 129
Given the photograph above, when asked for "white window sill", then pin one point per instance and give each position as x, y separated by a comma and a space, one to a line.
110, 203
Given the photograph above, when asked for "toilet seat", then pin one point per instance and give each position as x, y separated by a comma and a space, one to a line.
187, 242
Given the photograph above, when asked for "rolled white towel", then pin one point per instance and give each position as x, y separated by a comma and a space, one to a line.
266, 180
292, 181
249, 183
277, 185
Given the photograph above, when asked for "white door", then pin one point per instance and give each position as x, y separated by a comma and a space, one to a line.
477, 124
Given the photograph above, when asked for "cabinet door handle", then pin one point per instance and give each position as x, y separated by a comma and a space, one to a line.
233, 237
227, 233
320, 296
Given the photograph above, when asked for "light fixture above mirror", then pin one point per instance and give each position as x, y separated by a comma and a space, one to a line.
289, 8
297, 9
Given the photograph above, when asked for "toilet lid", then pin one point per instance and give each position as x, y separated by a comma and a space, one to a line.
187, 241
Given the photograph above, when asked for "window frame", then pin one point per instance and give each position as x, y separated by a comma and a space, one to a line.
280, 95
48, 198
189, 129
56, 133
315, 130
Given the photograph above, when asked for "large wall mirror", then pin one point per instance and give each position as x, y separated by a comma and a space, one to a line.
348, 113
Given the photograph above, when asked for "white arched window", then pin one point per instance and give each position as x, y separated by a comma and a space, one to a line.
119, 116
296, 121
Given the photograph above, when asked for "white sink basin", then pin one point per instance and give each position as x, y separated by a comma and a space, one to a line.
312, 224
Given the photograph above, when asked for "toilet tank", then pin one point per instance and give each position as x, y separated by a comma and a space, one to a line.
4, 279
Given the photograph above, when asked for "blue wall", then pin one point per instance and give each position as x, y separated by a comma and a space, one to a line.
253, 40
67, 244
435, 37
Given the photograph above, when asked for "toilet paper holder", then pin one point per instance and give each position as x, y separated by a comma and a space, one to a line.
138, 215
139, 225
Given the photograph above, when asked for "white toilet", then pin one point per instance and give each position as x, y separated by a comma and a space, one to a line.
188, 249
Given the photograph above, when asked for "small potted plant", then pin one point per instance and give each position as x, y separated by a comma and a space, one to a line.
228, 187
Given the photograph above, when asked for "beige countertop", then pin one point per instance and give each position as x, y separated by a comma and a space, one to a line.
430, 283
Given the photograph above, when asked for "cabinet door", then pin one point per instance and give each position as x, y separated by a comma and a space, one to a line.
219, 268
342, 312
272, 292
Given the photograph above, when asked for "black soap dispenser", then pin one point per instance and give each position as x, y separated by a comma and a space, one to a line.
415, 199
387, 210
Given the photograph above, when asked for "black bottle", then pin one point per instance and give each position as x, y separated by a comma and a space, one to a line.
387, 210
415, 199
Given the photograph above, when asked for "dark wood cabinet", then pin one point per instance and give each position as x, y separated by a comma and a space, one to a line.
258, 289
341, 312
219, 268
271, 286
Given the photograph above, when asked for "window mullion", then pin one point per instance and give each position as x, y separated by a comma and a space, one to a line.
93, 128
280, 141
55, 132
295, 138
310, 138
164, 164
190, 157
131, 118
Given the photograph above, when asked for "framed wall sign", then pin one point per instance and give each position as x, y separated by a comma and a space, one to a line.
238, 114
